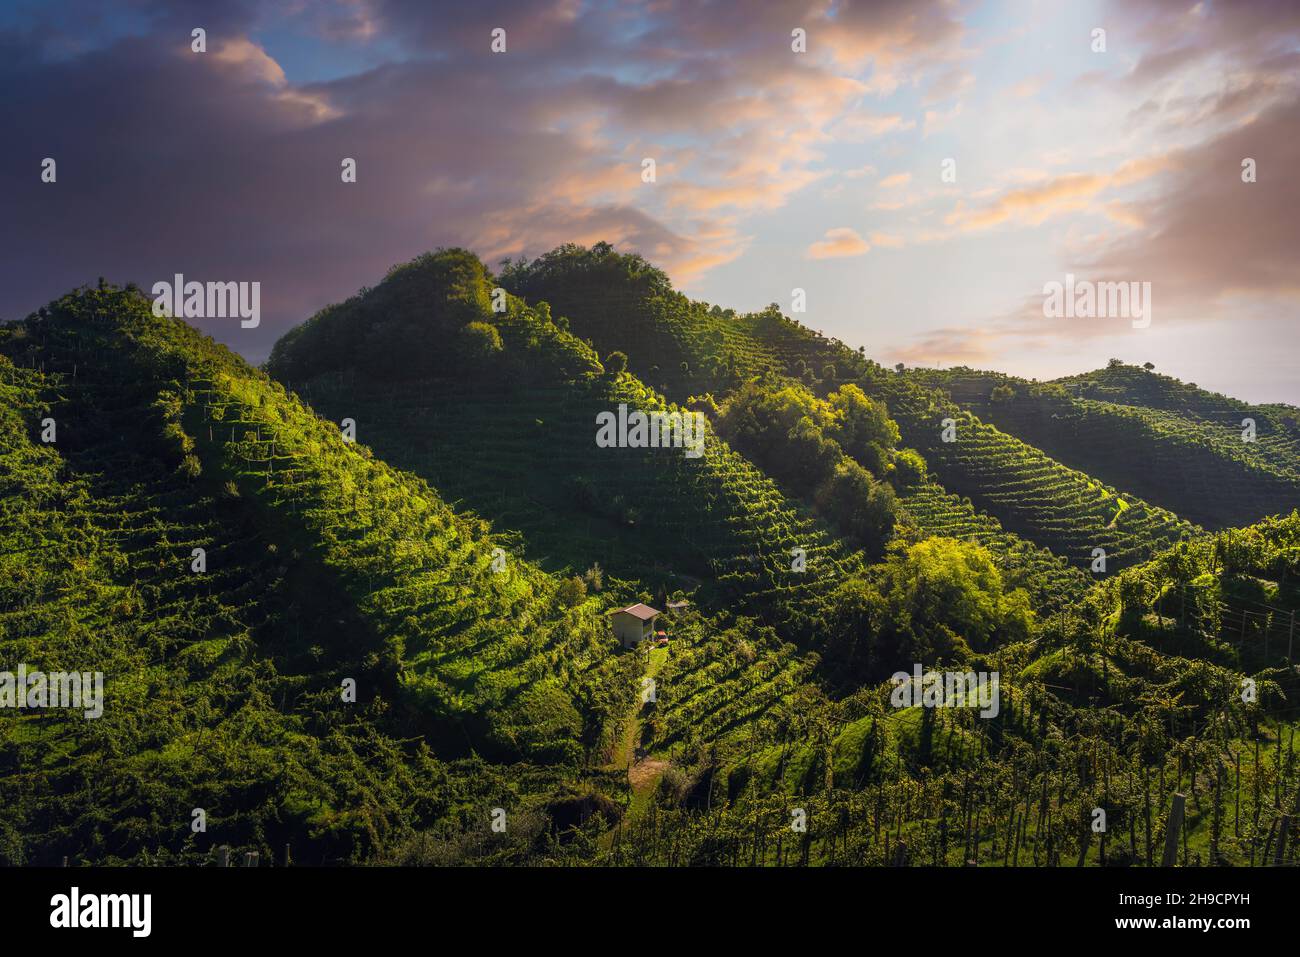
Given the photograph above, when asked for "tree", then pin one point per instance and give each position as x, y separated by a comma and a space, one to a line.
909, 468
478, 343
862, 427
616, 363
572, 591
1002, 393
946, 597
1148, 366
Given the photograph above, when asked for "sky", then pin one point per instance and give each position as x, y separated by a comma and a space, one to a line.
920, 169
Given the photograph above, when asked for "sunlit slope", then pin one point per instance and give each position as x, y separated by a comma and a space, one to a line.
1184, 451
220, 691
480, 654
1015, 491
510, 430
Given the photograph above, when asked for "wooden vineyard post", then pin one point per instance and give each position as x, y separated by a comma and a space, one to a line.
1172, 829
1283, 830
223, 857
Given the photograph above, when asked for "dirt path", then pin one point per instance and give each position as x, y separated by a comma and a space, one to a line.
643, 771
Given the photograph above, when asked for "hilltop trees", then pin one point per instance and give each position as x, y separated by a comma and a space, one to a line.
819, 448
429, 317
478, 343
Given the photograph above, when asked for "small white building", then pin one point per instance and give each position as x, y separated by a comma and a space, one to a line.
634, 624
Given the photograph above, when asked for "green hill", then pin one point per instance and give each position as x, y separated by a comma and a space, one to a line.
224, 679
436, 521
513, 436
619, 302
1173, 445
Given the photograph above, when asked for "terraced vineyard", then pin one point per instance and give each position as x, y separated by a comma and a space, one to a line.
653, 515
192, 450
679, 346
1186, 455
232, 562
1021, 490
1033, 495
219, 689
1050, 579
716, 686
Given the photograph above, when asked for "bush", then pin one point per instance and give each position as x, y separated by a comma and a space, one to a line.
909, 468
478, 343
572, 592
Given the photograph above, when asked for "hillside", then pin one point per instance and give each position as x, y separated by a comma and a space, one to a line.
223, 679
511, 434
1172, 444
620, 302
436, 521
1136, 697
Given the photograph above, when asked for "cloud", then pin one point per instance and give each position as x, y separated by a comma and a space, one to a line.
1072, 192
949, 84
859, 126
1208, 236
221, 165
839, 243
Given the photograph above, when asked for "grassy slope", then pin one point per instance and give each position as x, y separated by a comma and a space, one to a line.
1016, 497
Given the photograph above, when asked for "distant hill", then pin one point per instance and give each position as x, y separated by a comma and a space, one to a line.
620, 302
1175, 445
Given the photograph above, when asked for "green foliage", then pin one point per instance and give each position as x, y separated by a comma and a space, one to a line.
489, 685
797, 438
909, 468
223, 688
478, 343
428, 317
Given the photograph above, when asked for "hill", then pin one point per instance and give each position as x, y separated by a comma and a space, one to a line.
620, 302
442, 529
512, 434
224, 669
1172, 444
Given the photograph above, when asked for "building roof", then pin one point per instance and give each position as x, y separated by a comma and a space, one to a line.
678, 604
644, 612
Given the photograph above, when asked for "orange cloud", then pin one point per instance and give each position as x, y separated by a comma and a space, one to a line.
839, 243
1068, 193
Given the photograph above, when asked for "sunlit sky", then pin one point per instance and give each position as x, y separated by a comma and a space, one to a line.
774, 169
